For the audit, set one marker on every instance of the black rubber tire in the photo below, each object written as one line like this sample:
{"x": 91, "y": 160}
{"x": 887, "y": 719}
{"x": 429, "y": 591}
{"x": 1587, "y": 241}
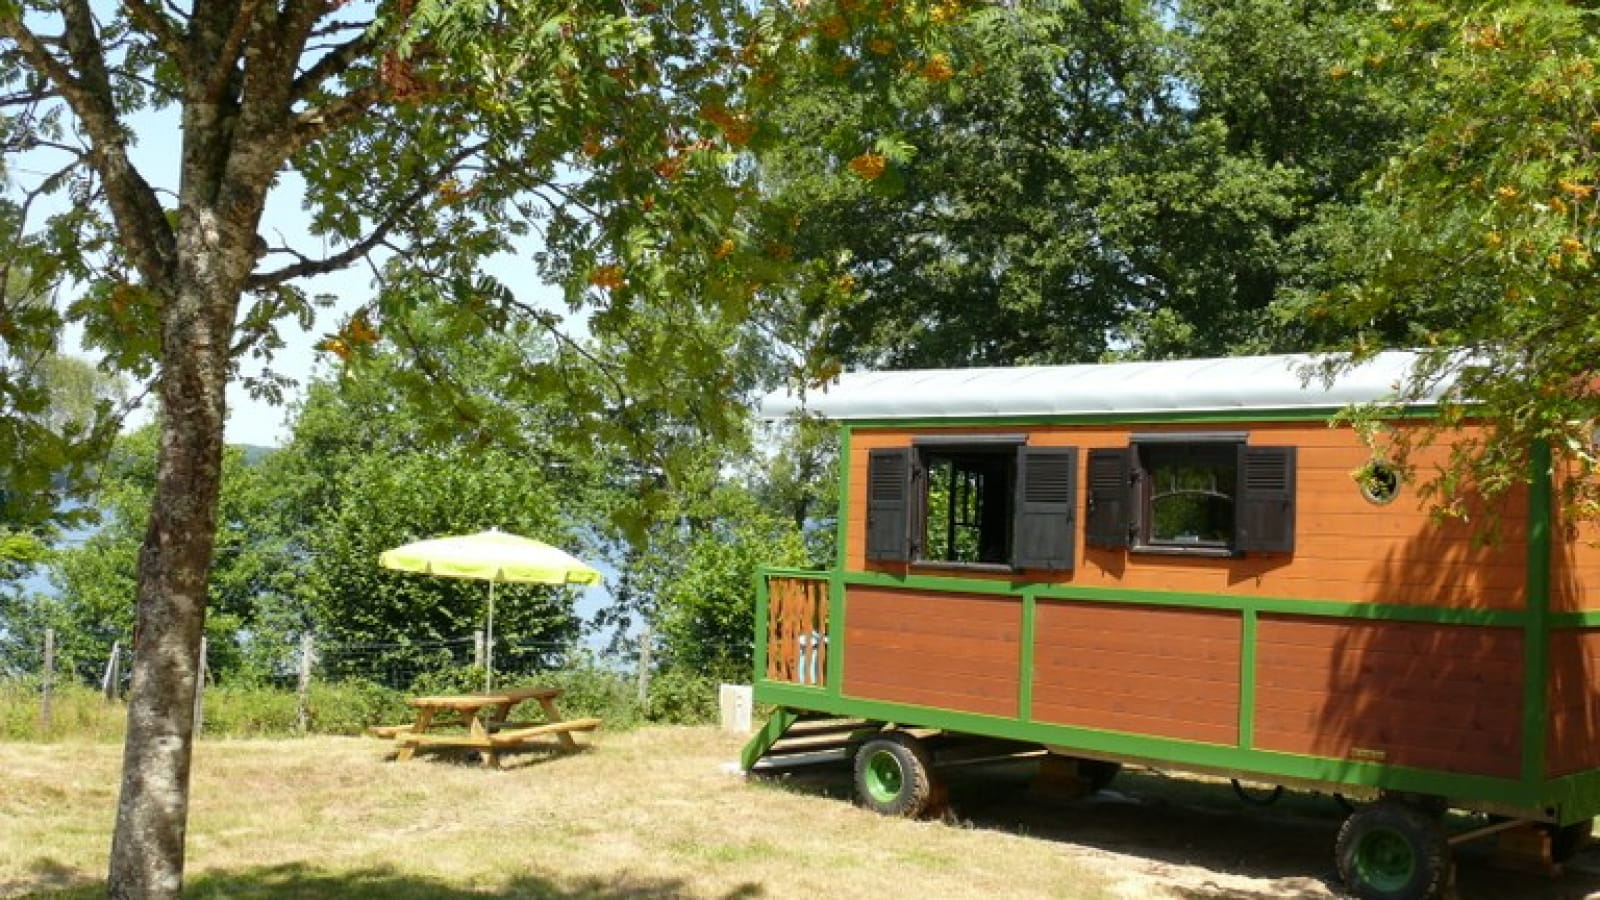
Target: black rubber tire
{"x": 1567, "y": 840}
{"x": 1258, "y": 798}
{"x": 1393, "y": 851}
{"x": 893, "y": 775}
{"x": 1097, "y": 774}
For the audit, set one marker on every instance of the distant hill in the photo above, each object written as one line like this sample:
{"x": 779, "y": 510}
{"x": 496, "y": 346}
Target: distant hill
{"x": 254, "y": 453}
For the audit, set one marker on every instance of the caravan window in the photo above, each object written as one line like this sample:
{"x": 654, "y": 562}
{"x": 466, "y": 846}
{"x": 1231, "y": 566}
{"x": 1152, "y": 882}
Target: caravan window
{"x": 1188, "y": 494}
{"x": 1204, "y": 494}
{"x": 972, "y": 502}
{"x": 967, "y": 516}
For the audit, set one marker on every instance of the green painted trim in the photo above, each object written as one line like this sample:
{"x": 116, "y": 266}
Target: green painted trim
{"x": 833, "y": 677}
{"x": 841, "y": 538}
{"x": 1307, "y": 414}
{"x": 762, "y": 611}
{"x": 1247, "y": 680}
{"x": 813, "y": 574}
{"x": 769, "y": 734}
{"x": 934, "y": 583}
{"x": 1575, "y": 620}
{"x": 1573, "y": 798}
{"x": 1260, "y": 764}
{"x": 1025, "y": 664}
{"x": 1536, "y": 633}
{"x": 1233, "y": 602}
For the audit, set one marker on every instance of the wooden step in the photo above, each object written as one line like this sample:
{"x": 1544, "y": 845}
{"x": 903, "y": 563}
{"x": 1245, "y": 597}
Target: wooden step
{"x": 813, "y": 727}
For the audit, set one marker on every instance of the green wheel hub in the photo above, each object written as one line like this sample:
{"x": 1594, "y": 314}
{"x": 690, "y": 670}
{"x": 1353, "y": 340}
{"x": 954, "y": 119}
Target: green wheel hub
{"x": 1385, "y": 859}
{"x": 884, "y": 777}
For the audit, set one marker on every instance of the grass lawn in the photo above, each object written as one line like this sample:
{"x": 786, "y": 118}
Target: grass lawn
{"x": 652, "y": 814}
{"x": 644, "y": 814}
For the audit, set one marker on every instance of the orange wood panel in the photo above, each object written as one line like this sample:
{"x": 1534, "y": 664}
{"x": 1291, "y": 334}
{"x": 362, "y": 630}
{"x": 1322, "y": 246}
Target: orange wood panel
{"x": 1163, "y": 672}
{"x": 1575, "y": 566}
{"x": 1574, "y": 697}
{"x": 952, "y": 651}
{"x": 1128, "y": 721}
{"x": 1346, "y": 549}
{"x": 1445, "y": 697}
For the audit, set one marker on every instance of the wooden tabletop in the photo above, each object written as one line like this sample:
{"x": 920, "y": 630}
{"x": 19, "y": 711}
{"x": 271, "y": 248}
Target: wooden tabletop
{"x": 478, "y": 701}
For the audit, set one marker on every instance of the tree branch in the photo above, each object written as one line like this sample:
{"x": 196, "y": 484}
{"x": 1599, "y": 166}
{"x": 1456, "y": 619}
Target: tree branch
{"x": 160, "y": 27}
{"x": 320, "y": 121}
{"x": 331, "y": 65}
{"x": 216, "y": 85}
{"x": 140, "y": 221}
{"x": 307, "y": 267}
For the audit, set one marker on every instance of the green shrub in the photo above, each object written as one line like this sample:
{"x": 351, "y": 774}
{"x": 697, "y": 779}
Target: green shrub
{"x": 682, "y": 697}
{"x": 349, "y": 707}
{"x": 589, "y": 689}
{"x": 449, "y": 680}
{"x": 246, "y": 712}
{"x": 76, "y": 713}
{"x": 352, "y": 706}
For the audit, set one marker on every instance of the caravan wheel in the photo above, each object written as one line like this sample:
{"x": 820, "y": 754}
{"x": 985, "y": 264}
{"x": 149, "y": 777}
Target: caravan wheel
{"x": 1393, "y": 851}
{"x": 894, "y": 776}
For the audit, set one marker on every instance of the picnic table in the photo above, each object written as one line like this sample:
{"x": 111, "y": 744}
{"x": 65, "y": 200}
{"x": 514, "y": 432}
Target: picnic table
{"x": 480, "y": 722}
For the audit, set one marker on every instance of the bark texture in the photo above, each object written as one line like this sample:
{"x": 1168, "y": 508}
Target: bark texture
{"x": 241, "y": 59}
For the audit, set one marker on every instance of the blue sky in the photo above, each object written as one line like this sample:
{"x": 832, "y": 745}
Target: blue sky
{"x": 250, "y": 421}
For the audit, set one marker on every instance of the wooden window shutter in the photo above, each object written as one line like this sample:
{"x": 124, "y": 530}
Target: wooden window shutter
{"x": 1110, "y": 512}
{"x": 889, "y": 504}
{"x": 1264, "y": 517}
{"x": 1046, "y": 514}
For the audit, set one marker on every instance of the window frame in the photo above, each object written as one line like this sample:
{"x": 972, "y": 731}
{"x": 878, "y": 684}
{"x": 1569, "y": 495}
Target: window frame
{"x": 1040, "y": 497}
{"x": 1209, "y": 452}
{"x": 1120, "y": 493}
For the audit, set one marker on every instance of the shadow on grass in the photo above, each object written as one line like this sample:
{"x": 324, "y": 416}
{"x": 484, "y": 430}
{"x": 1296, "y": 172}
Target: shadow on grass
{"x": 1163, "y": 821}
{"x": 307, "y": 883}
{"x": 511, "y": 758}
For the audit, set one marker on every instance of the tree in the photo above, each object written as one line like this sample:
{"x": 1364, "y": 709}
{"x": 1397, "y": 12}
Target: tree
{"x": 1478, "y": 238}
{"x": 799, "y": 481}
{"x": 57, "y": 412}
{"x": 1080, "y": 179}
{"x": 427, "y": 131}
{"x": 251, "y": 573}
{"x": 388, "y": 500}
{"x": 705, "y": 605}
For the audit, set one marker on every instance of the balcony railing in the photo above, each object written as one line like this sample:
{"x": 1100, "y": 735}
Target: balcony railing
{"x": 797, "y": 629}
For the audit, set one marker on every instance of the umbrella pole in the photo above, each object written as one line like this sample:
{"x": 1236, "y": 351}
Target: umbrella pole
{"x": 488, "y": 649}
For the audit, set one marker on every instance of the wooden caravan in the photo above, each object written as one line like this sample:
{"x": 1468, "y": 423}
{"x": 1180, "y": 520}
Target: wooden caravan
{"x": 1182, "y": 563}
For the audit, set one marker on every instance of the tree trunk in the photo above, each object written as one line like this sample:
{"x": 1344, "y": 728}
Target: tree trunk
{"x": 147, "y": 849}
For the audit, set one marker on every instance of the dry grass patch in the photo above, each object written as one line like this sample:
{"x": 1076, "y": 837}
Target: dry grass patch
{"x": 645, "y": 814}
{"x": 652, "y": 814}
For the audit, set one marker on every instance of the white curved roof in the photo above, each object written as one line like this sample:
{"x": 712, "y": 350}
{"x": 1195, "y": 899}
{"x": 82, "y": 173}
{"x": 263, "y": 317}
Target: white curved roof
{"x": 1241, "y": 383}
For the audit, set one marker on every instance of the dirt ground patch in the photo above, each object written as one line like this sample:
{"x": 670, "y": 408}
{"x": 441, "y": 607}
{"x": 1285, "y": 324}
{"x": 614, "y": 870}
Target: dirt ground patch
{"x": 1159, "y": 835}
{"x": 654, "y": 814}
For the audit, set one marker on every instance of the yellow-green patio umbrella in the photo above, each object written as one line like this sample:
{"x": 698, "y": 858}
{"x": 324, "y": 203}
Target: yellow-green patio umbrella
{"x": 495, "y": 557}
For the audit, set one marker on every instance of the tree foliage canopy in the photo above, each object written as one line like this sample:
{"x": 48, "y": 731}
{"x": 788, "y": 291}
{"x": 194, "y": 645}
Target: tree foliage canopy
{"x": 1477, "y": 243}
{"x": 1078, "y": 179}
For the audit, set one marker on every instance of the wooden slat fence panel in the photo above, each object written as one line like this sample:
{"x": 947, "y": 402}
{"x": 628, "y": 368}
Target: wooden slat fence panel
{"x": 797, "y": 630}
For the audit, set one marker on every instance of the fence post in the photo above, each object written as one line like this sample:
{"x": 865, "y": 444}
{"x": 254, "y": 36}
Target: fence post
{"x": 113, "y": 677}
{"x": 477, "y": 649}
{"x": 47, "y": 683}
{"x": 644, "y": 668}
{"x": 200, "y": 690}
{"x": 307, "y": 656}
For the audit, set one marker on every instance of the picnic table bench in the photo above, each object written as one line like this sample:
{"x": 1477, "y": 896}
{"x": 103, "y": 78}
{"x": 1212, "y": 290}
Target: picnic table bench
{"x": 480, "y": 722}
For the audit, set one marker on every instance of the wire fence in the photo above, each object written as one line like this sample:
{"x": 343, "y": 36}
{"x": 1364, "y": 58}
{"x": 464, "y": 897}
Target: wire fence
{"x": 299, "y": 668}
